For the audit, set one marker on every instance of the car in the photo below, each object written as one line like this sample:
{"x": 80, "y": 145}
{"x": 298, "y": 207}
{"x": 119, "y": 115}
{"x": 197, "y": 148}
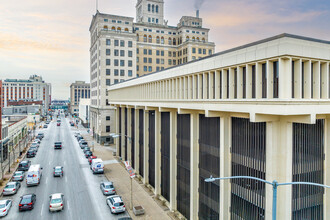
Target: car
{"x": 83, "y": 144}
{"x": 5, "y": 206}
{"x": 79, "y": 137}
{"x": 34, "y": 148}
{"x": 27, "y": 202}
{"x": 76, "y": 134}
{"x": 42, "y": 135}
{"x": 45, "y": 126}
{"x": 86, "y": 149}
{"x": 90, "y": 159}
{"x": 58, "y": 145}
{"x": 107, "y": 188}
{"x": 31, "y": 152}
{"x": 47, "y": 122}
{"x": 11, "y": 188}
{"x": 125, "y": 218}
{"x": 58, "y": 123}
{"x": 58, "y": 171}
{"x": 37, "y": 140}
{"x": 18, "y": 176}
{"x": 35, "y": 144}
{"x": 115, "y": 204}
{"x": 24, "y": 165}
{"x": 56, "y": 202}
{"x": 88, "y": 153}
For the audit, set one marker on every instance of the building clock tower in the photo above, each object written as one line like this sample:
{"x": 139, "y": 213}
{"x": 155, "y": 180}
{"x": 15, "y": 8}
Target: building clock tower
{"x": 150, "y": 11}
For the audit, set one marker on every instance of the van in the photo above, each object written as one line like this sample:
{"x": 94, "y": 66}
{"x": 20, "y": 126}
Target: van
{"x": 33, "y": 175}
{"x": 97, "y": 166}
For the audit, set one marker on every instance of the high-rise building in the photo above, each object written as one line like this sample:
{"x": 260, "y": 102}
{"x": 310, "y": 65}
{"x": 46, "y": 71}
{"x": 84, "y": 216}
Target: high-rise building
{"x": 78, "y": 90}
{"x": 32, "y": 89}
{"x": 121, "y": 50}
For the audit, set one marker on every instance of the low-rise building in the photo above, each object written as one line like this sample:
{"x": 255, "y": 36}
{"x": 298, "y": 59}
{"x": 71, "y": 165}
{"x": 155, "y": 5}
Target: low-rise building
{"x": 84, "y": 105}
{"x": 78, "y": 90}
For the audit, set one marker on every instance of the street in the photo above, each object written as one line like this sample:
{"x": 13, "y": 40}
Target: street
{"x": 82, "y": 196}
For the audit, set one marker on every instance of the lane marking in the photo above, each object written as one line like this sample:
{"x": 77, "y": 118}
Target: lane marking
{"x": 42, "y": 208}
{"x": 66, "y": 180}
{"x": 46, "y": 180}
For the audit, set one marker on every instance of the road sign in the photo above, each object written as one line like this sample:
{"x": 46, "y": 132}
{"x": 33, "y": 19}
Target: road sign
{"x": 129, "y": 169}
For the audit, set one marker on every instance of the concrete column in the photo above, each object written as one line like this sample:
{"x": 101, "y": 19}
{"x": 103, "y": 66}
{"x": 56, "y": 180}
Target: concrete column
{"x": 231, "y": 83}
{"x": 122, "y": 136}
{"x": 211, "y": 85}
{"x": 285, "y": 78}
{"x": 137, "y": 139}
{"x": 204, "y": 85}
{"x": 225, "y": 167}
{"x": 157, "y": 152}
{"x": 298, "y": 79}
{"x": 189, "y": 95}
{"x": 258, "y": 80}
{"x": 117, "y": 131}
{"x": 194, "y": 161}
{"x": 248, "y": 81}
{"x": 316, "y": 80}
{"x": 307, "y": 79}
{"x": 146, "y": 147}
{"x": 327, "y": 168}
{"x": 325, "y": 80}
{"x": 279, "y": 167}
{"x": 239, "y": 82}
{"x": 129, "y": 134}
{"x": 217, "y": 84}
{"x": 173, "y": 160}
{"x": 225, "y": 85}
{"x": 200, "y": 86}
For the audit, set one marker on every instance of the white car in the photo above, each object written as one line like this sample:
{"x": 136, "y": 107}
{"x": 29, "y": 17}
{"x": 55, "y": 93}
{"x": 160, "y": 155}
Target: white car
{"x": 5, "y": 205}
{"x": 56, "y": 202}
{"x": 116, "y": 204}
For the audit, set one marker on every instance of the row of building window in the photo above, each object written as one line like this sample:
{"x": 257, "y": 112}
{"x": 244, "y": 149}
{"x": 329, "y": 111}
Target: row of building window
{"x": 119, "y": 62}
{"x": 153, "y": 8}
{"x": 119, "y": 53}
{"x": 116, "y": 72}
{"x": 117, "y": 43}
{"x": 113, "y": 28}
{"x": 171, "y": 41}
{"x": 116, "y": 21}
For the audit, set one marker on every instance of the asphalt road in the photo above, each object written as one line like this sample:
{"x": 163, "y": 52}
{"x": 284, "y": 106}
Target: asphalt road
{"x": 82, "y": 196}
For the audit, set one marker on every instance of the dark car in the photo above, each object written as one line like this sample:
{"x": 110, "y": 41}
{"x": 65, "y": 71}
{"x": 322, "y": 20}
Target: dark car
{"x": 24, "y": 165}
{"x": 83, "y": 144}
{"x": 31, "y": 153}
{"x": 86, "y": 149}
{"x": 42, "y": 135}
{"x": 45, "y": 126}
{"x": 88, "y": 154}
{"x": 79, "y": 137}
{"x": 58, "y": 145}
{"x": 58, "y": 123}
{"x": 27, "y": 202}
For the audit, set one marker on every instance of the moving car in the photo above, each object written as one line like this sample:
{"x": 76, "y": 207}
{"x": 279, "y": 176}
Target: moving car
{"x": 5, "y": 206}
{"x": 116, "y": 204}
{"x": 58, "y": 171}
{"x": 27, "y": 202}
{"x": 88, "y": 153}
{"x": 56, "y": 202}
{"x": 24, "y": 165}
{"x": 90, "y": 159}
{"x": 58, "y": 123}
{"x": 97, "y": 166}
{"x": 31, "y": 152}
{"x": 107, "y": 188}
{"x": 33, "y": 175}
{"x": 58, "y": 145}
{"x": 11, "y": 188}
{"x": 18, "y": 176}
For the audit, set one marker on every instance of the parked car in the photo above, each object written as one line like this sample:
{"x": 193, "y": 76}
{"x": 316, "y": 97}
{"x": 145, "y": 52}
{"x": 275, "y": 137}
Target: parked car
{"x": 18, "y": 176}
{"x": 42, "y": 135}
{"x": 58, "y": 171}
{"x": 5, "y": 206}
{"x": 86, "y": 149}
{"x": 31, "y": 152}
{"x": 76, "y": 134}
{"x": 37, "y": 140}
{"x": 116, "y": 204}
{"x": 27, "y": 202}
{"x": 107, "y": 188}
{"x": 47, "y": 122}
{"x": 88, "y": 153}
{"x": 58, "y": 145}
{"x": 11, "y": 188}
{"x": 56, "y": 202}
{"x": 45, "y": 126}
{"x": 97, "y": 166}
{"x": 91, "y": 158}
{"x": 83, "y": 144}
{"x": 24, "y": 165}
{"x": 79, "y": 137}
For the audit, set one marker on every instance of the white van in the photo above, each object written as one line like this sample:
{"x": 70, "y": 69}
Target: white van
{"x": 33, "y": 175}
{"x": 97, "y": 166}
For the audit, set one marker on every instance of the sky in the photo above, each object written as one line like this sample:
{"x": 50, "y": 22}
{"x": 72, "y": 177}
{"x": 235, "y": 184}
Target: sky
{"x": 51, "y": 38}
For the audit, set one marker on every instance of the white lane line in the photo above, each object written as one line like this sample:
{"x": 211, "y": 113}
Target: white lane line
{"x": 46, "y": 180}
{"x": 66, "y": 179}
{"x": 49, "y": 163}
{"x": 42, "y": 208}
{"x": 68, "y": 204}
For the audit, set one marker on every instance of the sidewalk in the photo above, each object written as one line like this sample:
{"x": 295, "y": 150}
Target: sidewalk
{"x": 116, "y": 172}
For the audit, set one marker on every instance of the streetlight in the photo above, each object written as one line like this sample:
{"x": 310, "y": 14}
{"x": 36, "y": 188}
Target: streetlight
{"x": 275, "y": 184}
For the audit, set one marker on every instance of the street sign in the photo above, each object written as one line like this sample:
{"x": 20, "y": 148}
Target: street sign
{"x": 129, "y": 169}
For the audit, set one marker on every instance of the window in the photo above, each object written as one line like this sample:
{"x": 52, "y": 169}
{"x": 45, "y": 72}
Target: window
{"x": 108, "y": 62}
{"x": 145, "y": 60}
{"x": 162, "y": 53}
{"x": 130, "y": 73}
{"x": 193, "y": 58}
{"x": 169, "y": 62}
{"x": 157, "y": 68}
{"x": 107, "y": 72}
{"x": 156, "y": 8}
{"x": 174, "y": 54}
{"x": 116, "y": 81}
{"x": 150, "y": 60}
{"x": 137, "y": 68}
{"x": 150, "y": 52}
{"x": 158, "y": 40}
{"x": 145, "y": 38}
{"x": 122, "y": 72}
{"x": 162, "y": 40}
{"x": 116, "y": 53}
{"x": 149, "y": 7}
{"x": 145, "y": 68}
{"x": 107, "y": 82}
{"x": 204, "y": 51}
{"x": 122, "y": 53}
{"x": 199, "y": 51}
{"x": 126, "y": 29}
{"x": 107, "y": 129}
{"x": 157, "y": 52}
{"x": 174, "y": 62}
{"x": 169, "y": 41}
{"x": 107, "y": 52}
{"x": 157, "y": 21}
{"x": 126, "y": 22}
{"x": 145, "y": 51}
{"x": 210, "y": 52}
{"x": 119, "y": 22}
{"x": 122, "y": 43}
{"x": 130, "y": 53}
{"x": 153, "y": 20}
{"x": 107, "y": 118}
{"x": 116, "y": 72}
{"x": 130, "y": 44}
{"x": 169, "y": 53}
{"x": 153, "y": 8}
{"x": 108, "y": 42}
{"x": 150, "y": 69}
{"x": 157, "y": 61}
{"x": 150, "y": 39}
{"x": 122, "y": 62}
{"x": 137, "y": 38}
{"x": 116, "y": 43}
{"x": 162, "y": 61}
{"x": 130, "y": 63}
{"x": 116, "y": 63}
{"x": 105, "y": 20}
{"x": 137, "y": 51}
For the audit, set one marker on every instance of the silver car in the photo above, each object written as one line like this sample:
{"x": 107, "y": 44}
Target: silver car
{"x": 5, "y": 205}
{"x": 116, "y": 204}
{"x": 107, "y": 188}
{"x": 11, "y": 188}
{"x": 18, "y": 176}
{"x": 56, "y": 202}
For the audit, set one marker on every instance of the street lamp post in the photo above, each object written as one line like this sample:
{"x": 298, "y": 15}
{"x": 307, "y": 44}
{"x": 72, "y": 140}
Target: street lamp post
{"x": 274, "y": 184}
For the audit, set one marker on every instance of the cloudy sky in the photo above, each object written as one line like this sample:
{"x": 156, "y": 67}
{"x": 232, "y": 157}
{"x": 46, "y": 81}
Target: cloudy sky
{"x": 51, "y": 38}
